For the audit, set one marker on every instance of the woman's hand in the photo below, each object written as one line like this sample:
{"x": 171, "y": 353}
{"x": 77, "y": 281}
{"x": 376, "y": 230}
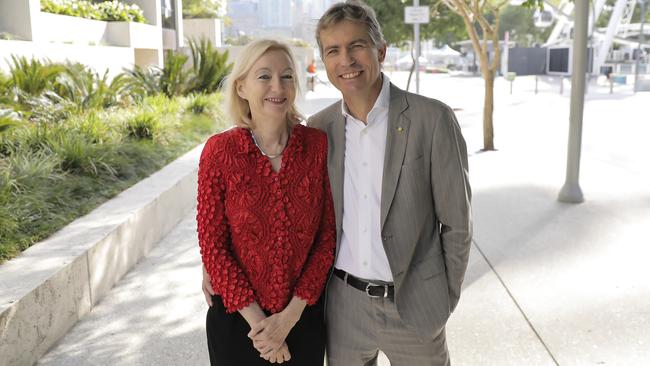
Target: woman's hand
{"x": 280, "y": 356}
{"x": 269, "y": 334}
{"x": 207, "y": 287}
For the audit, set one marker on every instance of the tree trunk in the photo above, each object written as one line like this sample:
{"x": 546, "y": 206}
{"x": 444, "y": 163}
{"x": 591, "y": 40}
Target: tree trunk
{"x": 488, "y": 111}
{"x": 408, "y": 83}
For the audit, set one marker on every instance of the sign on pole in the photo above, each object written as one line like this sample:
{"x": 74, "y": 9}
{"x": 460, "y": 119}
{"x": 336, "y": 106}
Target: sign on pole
{"x": 416, "y": 14}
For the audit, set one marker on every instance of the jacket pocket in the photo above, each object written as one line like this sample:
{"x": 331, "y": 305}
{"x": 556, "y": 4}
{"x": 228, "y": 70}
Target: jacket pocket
{"x": 430, "y": 266}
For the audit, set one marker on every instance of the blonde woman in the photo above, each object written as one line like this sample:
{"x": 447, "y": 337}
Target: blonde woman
{"x": 265, "y": 220}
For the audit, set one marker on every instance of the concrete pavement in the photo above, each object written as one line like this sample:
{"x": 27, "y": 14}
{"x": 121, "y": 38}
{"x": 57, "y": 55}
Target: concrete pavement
{"x": 548, "y": 283}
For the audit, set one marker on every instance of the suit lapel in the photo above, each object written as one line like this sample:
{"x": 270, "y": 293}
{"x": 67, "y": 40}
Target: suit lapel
{"x": 396, "y": 138}
{"x": 336, "y": 166}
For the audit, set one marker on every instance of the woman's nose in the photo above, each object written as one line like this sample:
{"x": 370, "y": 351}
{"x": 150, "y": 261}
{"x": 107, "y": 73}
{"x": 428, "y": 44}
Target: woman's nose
{"x": 276, "y": 84}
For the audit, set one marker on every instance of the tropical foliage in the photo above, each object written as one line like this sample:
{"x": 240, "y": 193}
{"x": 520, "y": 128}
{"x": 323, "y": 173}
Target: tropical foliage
{"x": 205, "y": 74}
{"x": 71, "y": 138}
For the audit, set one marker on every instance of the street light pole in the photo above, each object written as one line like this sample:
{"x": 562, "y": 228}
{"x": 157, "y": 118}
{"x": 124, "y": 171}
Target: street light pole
{"x": 639, "y": 47}
{"x": 571, "y": 191}
{"x": 416, "y": 36}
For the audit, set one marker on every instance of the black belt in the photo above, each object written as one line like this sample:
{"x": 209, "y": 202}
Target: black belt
{"x": 371, "y": 289}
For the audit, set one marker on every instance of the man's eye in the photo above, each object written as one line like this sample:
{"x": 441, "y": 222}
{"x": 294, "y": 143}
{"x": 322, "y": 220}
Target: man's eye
{"x": 332, "y": 52}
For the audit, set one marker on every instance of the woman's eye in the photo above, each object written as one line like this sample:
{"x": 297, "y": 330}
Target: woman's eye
{"x": 287, "y": 77}
{"x": 264, "y": 77}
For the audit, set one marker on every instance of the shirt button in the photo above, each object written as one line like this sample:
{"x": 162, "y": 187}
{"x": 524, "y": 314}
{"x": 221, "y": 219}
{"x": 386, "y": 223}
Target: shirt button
{"x": 364, "y": 164}
{"x": 365, "y": 196}
{"x": 365, "y": 263}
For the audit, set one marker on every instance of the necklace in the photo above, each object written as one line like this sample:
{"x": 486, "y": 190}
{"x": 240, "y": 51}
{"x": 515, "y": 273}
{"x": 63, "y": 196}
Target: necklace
{"x": 264, "y": 153}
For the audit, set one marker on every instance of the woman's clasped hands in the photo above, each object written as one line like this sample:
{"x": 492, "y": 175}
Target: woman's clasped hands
{"x": 269, "y": 334}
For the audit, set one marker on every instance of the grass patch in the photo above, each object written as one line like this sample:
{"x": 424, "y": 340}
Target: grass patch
{"x": 51, "y": 174}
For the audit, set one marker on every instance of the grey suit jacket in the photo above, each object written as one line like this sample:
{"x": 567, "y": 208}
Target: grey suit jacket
{"x": 425, "y": 217}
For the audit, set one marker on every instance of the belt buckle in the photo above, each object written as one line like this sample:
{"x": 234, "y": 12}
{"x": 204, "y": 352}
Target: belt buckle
{"x": 377, "y": 296}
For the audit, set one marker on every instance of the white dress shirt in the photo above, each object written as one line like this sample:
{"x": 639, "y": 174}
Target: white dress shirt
{"x": 361, "y": 252}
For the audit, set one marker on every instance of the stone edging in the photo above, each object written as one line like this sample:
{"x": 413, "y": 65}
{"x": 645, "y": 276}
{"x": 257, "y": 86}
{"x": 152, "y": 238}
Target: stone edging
{"x": 50, "y": 286}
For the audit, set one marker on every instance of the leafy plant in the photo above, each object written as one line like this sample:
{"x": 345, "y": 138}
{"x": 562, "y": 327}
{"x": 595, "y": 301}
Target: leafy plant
{"x": 193, "y": 9}
{"x": 87, "y": 90}
{"x": 47, "y": 107}
{"x": 75, "y": 8}
{"x": 198, "y": 104}
{"x": 143, "y": 81}
{"x": 173, "y": 77}
{"x": 143, "y": 126}
{"x": 33, "y": 76}
{"x": 106, "y": 11}
{"x": 209, "y": 67}
{"x": 8, "y": 119}
{"x": 118, "y": 11}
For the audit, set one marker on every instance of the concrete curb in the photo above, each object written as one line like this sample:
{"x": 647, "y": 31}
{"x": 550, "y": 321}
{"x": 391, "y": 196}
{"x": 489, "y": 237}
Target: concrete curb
{"x": 50, "y": 286}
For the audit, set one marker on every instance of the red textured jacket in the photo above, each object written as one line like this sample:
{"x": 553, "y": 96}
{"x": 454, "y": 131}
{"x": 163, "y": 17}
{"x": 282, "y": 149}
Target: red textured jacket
{"x": 265, "y": 236}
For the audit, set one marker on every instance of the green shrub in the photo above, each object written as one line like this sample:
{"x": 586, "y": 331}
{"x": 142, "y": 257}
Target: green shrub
{"x": 193, "y": 9}
{"x": 173, "y": 78}
{"x": 8, "y": 119}
{"x": 209, "y": 67}
{"x": 118, "y": 11}
{"x": 33, "y": 76}
{"x": 87, "y": 90}
{"x": 143, "y": 81}
{"x": 107, "y": 10}
{"x": 144, "y": 125}
{"x": 46, "y": 108}
{"x": 198, "y": 104}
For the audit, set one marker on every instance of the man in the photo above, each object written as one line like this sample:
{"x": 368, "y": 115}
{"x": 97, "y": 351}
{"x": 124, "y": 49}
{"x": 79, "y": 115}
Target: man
{"x": 398, "y": 171}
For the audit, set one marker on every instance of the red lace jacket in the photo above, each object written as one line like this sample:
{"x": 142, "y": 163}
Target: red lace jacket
{"x": 265, "y": 236}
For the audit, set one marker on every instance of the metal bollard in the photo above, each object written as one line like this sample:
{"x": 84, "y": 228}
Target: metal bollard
{"x": 535, "y": 84}
{"x": 561, "y": 84}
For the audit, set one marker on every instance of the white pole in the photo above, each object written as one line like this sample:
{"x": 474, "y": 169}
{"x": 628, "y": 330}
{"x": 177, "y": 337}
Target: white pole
{"x": 639, "y": 49}
{"x": 416, "y": 35}
{"x": 571, "y": 191}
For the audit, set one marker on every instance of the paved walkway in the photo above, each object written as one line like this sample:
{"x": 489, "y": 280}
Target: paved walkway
{"x": 548, "y": 283}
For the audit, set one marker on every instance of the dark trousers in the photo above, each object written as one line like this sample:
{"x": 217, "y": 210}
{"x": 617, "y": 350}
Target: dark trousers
{"x": 229, "y": 344}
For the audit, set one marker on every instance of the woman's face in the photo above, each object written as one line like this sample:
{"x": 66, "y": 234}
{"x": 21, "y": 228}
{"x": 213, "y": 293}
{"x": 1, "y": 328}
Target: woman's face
{"x": 269, "y": 86}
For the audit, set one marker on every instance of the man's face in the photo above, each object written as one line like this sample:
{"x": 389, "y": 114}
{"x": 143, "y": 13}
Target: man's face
{"x": 351, "y": 60}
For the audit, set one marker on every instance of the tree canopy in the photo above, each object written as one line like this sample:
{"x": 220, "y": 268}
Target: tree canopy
{"x": 445, "y": 27}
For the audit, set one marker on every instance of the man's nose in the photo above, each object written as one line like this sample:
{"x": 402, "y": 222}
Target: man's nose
{"x": 348, "y": 58}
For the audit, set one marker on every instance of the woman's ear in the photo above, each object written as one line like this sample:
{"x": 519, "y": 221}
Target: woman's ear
{"x": 241, "y": 91}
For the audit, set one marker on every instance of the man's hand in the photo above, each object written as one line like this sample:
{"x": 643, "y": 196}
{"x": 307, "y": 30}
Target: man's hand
{"x": 207, "y": 287}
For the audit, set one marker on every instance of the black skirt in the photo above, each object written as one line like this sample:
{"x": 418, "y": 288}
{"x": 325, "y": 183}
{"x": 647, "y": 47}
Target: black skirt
{"x": 229, "y": 345}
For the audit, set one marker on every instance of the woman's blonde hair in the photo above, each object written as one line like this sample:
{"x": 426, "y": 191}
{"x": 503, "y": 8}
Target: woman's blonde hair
{"x": 238, "y": 109}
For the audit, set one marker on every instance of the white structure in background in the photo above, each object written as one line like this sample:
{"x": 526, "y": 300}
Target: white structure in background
{"x": 618, "y": 31}
{"x": 99, "y": 44}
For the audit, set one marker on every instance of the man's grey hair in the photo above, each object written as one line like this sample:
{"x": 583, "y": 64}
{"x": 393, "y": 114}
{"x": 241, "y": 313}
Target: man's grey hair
{"x": 354, "y": 11}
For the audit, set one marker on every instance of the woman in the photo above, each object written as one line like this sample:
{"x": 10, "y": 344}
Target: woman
{"x": 265, "y": 219}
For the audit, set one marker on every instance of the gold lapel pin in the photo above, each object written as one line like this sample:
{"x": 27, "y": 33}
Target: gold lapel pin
{"x": 400, "y": 129}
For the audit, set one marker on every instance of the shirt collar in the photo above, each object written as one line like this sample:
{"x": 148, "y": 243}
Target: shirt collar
{"x": 383, "y": 100}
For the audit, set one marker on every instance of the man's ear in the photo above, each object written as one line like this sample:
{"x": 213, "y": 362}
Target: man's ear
{"x": 241, "y": 91}
{"x": 381, "y": 53}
